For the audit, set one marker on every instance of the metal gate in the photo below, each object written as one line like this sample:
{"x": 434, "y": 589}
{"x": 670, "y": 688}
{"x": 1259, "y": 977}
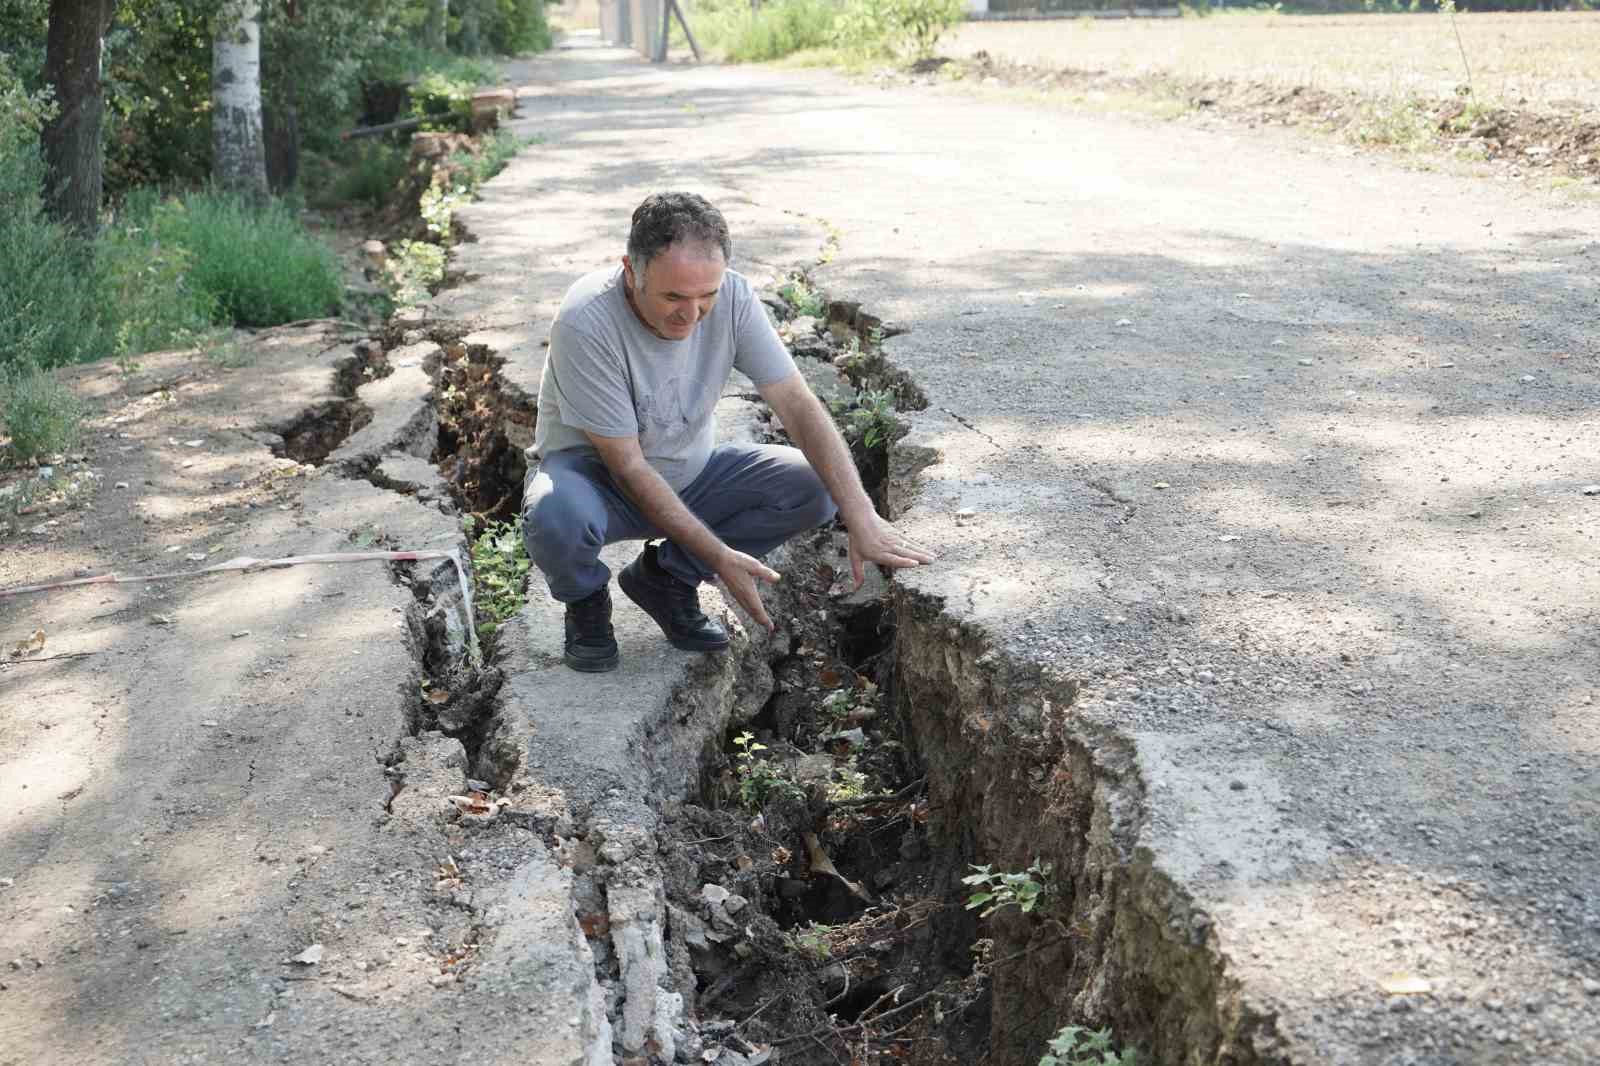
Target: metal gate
{"x": 633, "y": 24}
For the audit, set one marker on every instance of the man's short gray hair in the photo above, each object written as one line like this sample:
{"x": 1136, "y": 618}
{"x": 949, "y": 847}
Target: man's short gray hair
{"x": 667, "y": 218}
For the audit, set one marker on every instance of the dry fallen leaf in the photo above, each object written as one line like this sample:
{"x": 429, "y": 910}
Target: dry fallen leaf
{"x": 438, "y": 695}
{"x": 1406, "y": 984}
{"x": 32, "y": 646}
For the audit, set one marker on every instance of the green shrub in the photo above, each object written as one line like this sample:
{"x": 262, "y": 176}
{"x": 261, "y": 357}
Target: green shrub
{"x": 778, "y": 29}
{"x": 49, "y": 314}
{"x": 39, "y": 414}
{"x": 442, "y": 102}
{"x": 144, "y": 281}
{"x": 893, "y": 27}
{"x": 371, "y": 176}
{"x": 255, "y": 260}
{"x": 517, "y": 27}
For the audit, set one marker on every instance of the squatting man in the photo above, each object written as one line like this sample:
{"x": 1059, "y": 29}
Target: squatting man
{"x": 639, "y": 355}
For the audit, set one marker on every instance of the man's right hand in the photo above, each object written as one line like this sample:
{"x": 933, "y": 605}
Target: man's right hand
{"x": 742, "y": 575}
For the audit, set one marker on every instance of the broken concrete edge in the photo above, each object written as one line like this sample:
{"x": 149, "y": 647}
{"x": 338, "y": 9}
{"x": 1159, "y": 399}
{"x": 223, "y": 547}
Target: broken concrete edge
{"x": 1003, "y": 748}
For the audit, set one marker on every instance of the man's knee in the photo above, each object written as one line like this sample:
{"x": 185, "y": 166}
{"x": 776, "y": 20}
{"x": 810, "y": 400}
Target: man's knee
{"x": 807, "y": 499}
{"x": 557, "y": 527}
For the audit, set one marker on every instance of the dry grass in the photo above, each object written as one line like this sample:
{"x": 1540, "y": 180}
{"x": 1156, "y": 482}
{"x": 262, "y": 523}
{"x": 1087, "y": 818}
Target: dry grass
{"x": 1545, "y": 59}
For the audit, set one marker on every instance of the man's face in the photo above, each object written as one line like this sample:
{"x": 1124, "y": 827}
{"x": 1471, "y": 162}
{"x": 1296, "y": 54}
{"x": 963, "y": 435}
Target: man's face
{"x": 676, "y": 289}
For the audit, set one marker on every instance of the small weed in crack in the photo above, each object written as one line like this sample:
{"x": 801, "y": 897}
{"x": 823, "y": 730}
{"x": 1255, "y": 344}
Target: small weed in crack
{"x": 499, "y": 573}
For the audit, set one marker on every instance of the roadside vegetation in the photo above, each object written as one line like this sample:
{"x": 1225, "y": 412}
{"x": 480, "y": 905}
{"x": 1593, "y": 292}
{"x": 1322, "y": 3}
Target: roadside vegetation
{"x": 154, "y": 241}
{"x": 841, "y": 32}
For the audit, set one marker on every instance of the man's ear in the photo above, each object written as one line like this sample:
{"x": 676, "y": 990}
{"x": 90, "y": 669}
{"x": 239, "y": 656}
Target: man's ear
{"x": 627, "y": 274}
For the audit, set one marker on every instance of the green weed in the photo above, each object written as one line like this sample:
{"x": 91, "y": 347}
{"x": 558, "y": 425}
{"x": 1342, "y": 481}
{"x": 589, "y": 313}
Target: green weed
{"x": 843, "y": 703}
{"x": 847, "y": 782}
{"x": 1074, "y": 1045}
{"x": 760, "y": 779}
{"x": 38, "y": 413}
{"x": 415, "y": 269}
{"x": 1408, "y": 124}
{"x": 870, "y": 422}
{"x": 499, "y": 574}
{"x": 798, "y": 293}
{"x": 812, "y": 941}
{"x": 994, "y": 890}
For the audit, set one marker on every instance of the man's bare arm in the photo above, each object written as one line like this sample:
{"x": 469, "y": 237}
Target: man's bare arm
{"x": 872, "y": 539}
{"x": 663, "y": 509}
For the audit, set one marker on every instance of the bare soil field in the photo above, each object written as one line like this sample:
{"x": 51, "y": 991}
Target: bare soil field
{"x": 1539, "y": 59}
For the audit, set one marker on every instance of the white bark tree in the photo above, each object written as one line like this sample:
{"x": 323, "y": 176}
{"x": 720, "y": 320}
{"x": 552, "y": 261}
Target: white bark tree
{"x": 436, "y": 25}
{"x": 239, "y": 157}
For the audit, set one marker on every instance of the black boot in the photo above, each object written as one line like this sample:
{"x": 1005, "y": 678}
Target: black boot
{"x": 674, "y": 604}
{"x": 591, "y": 645}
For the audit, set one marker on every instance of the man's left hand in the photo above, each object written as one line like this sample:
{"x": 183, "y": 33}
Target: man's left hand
{"x": 880, "y": 542}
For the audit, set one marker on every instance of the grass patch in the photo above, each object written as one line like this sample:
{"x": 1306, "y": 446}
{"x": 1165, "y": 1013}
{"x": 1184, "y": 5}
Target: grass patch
{"x": 1407, "y": 125}
{"x": 256, "y": 262}
{"x": 39, "y": 414}
{"x": 147, "y": 281}
{"x": 780, "y": 28}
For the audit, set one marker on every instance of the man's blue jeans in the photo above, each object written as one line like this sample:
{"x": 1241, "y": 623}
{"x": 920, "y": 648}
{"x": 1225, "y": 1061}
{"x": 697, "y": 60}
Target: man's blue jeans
{"x": 753, "y": 496}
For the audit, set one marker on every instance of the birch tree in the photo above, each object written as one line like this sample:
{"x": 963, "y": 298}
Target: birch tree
{"x": 238, "y": 147}
{"x": 436, "y": 25}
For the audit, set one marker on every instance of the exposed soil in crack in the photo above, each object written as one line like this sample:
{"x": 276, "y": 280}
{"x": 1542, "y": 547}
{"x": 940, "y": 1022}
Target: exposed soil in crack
{"x": 317, "y": 431}
{"x": 803, "y": 891}
{"x": 482, "y": 435}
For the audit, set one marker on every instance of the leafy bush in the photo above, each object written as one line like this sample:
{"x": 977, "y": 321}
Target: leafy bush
{"x": 146, "y": 280}
{"x": 49, "y": 314}
{"x": 39, "y": 414}
{"x": 255, "y": 260}
{"x": 442, "y": 102}
{"x": 517, "y": 27}
{"x": 891, "y": 27}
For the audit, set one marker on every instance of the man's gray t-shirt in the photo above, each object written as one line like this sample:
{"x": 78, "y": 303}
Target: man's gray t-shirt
{"x": 608, "y": 375}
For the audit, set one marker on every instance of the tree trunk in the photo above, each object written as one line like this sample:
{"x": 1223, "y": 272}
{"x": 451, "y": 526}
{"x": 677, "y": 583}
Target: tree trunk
{"x": 470, "y": 41}
{"x": 437, "y": 24}
{"x": 282, "y": 127}
{"x": 238, "y": 148}
{"x": 71, "y": 140}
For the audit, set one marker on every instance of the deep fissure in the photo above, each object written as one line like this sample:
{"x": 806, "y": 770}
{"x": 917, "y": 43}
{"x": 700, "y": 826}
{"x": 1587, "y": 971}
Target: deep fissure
{"x": 826, "y": 917}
